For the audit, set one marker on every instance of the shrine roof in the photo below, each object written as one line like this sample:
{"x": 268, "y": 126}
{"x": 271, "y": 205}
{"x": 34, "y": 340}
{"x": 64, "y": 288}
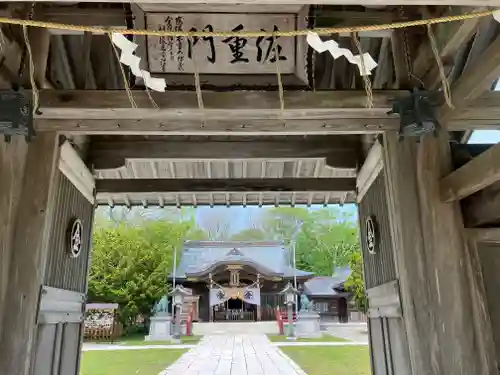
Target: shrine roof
{"x": 270, "y": 257}
{"x": 327, "y": 286}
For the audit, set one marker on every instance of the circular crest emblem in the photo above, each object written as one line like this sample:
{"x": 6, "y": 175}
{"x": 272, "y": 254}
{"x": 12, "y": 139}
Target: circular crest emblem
{"x": 371, "y": 235}
{"x": 221, "y": 295}
{"x": 75, "y": 229}
{"x": 248, "y": 294}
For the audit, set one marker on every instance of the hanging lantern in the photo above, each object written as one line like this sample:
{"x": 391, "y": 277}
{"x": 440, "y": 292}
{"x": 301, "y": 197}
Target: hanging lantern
{"x": 16, "y": 116}
{"x": 416, "y": 113}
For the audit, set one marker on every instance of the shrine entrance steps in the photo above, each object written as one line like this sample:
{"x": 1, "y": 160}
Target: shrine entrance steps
{"x": 232, "y": 328}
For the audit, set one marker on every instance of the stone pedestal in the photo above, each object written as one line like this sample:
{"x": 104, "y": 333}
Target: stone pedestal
{"x": 159, "y": 329}
{"x": 307, "y": 325}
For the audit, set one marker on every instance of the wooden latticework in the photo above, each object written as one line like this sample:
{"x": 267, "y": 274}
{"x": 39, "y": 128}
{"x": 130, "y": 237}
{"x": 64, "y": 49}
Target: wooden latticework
{"x": 100, "y": 322}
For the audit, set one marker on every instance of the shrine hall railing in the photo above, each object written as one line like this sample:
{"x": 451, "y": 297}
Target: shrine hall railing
{"x": 235, "y": 315}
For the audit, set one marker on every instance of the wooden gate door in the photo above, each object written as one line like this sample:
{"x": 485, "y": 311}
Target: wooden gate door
{"x": 62, "y": 298}
{"x": 388, "y": 342}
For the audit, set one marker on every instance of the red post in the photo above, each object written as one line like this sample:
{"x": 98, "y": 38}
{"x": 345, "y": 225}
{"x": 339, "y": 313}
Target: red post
{"x": 189, "y": 322}
{"x": 279, "y": 320}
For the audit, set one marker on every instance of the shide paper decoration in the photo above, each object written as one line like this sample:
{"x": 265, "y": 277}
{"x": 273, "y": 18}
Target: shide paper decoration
{"x": 496, "y": 15}
{"x": 128, "y": 58}
{"x": 333, "y": 47}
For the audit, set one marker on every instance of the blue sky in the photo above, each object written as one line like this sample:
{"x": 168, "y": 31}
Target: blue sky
{"x": 485, "y": 136}
{"x": 245, "y": 217}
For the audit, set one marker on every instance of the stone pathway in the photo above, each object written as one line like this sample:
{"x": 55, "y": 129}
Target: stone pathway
{"x": 89, "y": 347}
{"x": 234, "y": 355}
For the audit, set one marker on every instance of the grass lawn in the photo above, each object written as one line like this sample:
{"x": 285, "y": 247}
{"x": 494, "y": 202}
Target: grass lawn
{"x": 324, "y": 338}
{"x": 328, "y": 360}
{"x": 137, "y": 340}
{"x": 128, "y": 362}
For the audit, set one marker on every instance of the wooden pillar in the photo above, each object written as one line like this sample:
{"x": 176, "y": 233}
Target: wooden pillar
{"x": 12, "y": 162}
{"x": 32, "y": 228}
{"x": 432, "y": 260}
{"x": 342, "y": 310}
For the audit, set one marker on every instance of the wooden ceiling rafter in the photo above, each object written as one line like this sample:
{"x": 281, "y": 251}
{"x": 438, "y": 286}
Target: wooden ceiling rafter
{"x": 477, "y": 79}
{"x": 338, "y": 151}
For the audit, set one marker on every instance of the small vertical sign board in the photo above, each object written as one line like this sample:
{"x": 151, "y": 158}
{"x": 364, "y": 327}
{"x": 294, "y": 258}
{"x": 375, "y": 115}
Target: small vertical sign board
{"x": 237, "y": 55}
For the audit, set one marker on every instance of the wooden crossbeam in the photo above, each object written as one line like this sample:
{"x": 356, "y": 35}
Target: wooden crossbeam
{"x": 477, "y": 79}
{"x": 177, "y": 185}
{"x": 370, "y": 169}
{"x": 477, "y": 174}
{"x": 340, "y": 152}
{"x": 483, "y": 207}
{"x": 244, "y": 112}
{"x": 232, "y": 125}
{"x": 106, "y": 17}
{"x": 377, "y": 3}
{"x": 183, "y": 105}
{"x": 457, "y": 36}
{"x": 450, "y": 38}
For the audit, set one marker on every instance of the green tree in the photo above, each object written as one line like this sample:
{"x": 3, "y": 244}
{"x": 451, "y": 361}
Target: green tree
{"x": 324, "y": 238}
{"x": 355, "y": 283}
{"x": 250, "y": 234}
{"x": 130, "y": 263}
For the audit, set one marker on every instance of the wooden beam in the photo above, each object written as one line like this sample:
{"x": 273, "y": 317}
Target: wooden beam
{"x": 73, "y": 167}
{"x": 450, "y": 38}
{"x": 223, "y": 127}
{"x": 371, "y": 168}
{"x": 476, "y": 80}
{"x": 40, "y": 43}
{"x": 106, "y": 17}
{"x": 398, "y": 58}
{"x": 483, "y": 235}
{"x": 341, "y": 152}
{"x": 183, "y": 105}
{"x": 323, "y": 112}
{"x": 60, "y": 68}
{"x": 464, "y": 153}
{"x": 477, "y": 174}
{"x": 83, "y": 71}
{"x": 377, "y": 3}
{"x": 121, "y": 186}
{"x": 482, "y": 208}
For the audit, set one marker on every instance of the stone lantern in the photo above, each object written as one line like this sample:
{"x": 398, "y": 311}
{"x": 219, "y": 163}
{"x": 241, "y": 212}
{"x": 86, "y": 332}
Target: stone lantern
{"x": 178, "y": 295}
{"x": 290, "y": 292}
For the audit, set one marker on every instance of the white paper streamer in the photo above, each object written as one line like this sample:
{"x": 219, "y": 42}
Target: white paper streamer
{"x": 128, "y": 58}
{"x": 496, "y": 15}
{"x": 333, "y": 47}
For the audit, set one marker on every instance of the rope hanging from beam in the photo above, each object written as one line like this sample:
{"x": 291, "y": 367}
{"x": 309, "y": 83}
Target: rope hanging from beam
{"x": 325, "y": 31}
{"x": 366, "y": 79}
{"x": 442, "y": 75}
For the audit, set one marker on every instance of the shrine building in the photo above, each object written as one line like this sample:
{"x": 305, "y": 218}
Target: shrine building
{"x": 242, "y": 281}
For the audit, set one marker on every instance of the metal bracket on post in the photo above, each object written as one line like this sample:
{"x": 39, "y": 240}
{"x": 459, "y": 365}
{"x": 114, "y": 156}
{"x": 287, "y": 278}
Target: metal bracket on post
{"x": 16, "y": 116}
{"x": 416, "y": 113}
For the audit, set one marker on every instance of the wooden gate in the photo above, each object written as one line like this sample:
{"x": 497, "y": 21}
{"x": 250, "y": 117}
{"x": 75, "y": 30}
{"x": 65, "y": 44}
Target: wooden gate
{"x": 62, "y": 299}
{"x": 388, "y": 342}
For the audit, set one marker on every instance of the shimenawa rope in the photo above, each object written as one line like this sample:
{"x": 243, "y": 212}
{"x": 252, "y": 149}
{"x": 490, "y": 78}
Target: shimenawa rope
{"x": 319, "y": 31}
